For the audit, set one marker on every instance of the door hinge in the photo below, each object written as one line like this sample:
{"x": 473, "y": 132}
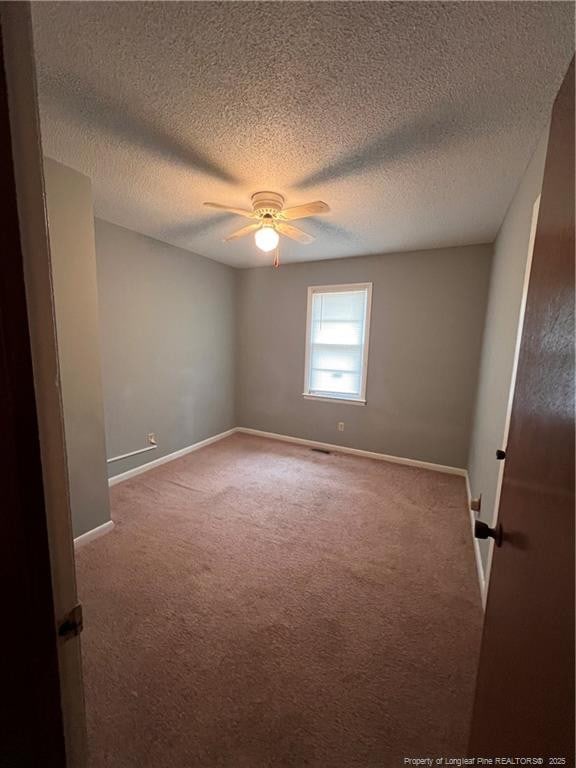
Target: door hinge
{"x": 72, "y": 623}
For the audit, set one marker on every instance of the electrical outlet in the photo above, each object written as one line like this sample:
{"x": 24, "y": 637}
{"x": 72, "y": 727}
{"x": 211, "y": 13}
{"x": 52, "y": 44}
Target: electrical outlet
{"x": 152, "y": 438}
{"x": 340, "y": 426}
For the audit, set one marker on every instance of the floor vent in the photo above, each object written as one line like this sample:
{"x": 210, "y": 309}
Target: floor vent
{"x": 321, "y": 450}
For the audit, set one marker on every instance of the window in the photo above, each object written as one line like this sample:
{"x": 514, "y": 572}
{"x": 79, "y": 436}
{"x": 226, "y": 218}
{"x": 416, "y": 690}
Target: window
{"x": 337, "y": 332}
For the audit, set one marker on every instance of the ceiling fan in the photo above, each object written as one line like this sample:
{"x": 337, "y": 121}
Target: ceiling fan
{"x": 271, "y": 219}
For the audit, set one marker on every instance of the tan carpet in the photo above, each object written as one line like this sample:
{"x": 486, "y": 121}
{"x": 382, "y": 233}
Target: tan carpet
{"x": 259, "y": 604}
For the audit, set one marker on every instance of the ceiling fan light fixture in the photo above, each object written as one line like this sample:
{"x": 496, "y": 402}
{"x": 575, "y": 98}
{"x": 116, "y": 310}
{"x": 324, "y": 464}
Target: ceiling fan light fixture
{"x": 266, "y": 239}
{"x": 270, "y": 220}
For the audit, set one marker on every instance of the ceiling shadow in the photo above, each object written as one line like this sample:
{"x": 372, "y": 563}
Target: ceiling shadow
{"x": 191, "y": 229}
{"x": 323, "y": 227}
{"x": 427, "y": 133}
{"x": 82, "y": 101}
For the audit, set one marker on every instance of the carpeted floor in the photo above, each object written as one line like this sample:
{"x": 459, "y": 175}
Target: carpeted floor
{"x": 262, "y": 605}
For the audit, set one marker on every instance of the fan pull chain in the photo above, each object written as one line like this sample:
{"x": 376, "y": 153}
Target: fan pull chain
{"x": 276, "y": 262}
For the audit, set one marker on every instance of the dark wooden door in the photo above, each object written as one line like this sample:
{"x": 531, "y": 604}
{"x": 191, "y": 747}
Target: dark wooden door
{"x": 525, "y": 691}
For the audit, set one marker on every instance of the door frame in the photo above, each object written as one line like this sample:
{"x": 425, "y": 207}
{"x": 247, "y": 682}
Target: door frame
{"x": 519, "y": 328}
{"x": 27, "y": 161}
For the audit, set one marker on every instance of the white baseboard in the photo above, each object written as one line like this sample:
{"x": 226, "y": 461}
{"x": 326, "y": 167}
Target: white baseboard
{"x": 102, "y": 529}
{"x": 477, "y": 555}
{"x": 169, "y": 457}
{"x": 288, "y": 439}
{"x": 356, "y": 452}
{"x": 95, "y": 533}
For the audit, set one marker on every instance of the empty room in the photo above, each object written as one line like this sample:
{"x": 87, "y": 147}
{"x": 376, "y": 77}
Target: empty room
{"x": 287, "y": 324}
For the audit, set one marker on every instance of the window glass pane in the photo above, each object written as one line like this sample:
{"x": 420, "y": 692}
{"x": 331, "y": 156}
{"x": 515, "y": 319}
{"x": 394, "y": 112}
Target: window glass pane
{"x": 331, "y": 332}
{"x": 337, "y": 383}
{"x": 334, "y": 358}
{"x": 336, "y": 343}
{"x": 342, "y": 307}
{"x": 338, "y": 318}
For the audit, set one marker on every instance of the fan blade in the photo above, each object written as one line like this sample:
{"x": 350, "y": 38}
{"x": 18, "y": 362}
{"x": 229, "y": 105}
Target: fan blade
{"x": 239, "y": 211}
{"x": 294, "y": 233}
{"x": 301, "y": 211}
{"x": 243, "y": 231}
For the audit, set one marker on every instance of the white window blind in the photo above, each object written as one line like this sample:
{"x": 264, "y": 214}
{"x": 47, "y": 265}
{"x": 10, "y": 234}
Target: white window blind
{"x": 337, "y": 343}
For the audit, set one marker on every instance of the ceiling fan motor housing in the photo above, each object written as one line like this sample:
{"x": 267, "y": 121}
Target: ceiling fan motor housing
{"x": 267, "y": 203}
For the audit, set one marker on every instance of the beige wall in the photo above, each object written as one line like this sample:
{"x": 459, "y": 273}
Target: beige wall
{"x": 426, "y": 332}
{"x": 501, "y": 331}
{"x": 71, "y": 233}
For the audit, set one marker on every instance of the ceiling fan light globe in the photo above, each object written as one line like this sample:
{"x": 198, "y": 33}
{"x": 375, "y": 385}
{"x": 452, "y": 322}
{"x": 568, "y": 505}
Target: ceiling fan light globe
{"x": 266, "y": 239}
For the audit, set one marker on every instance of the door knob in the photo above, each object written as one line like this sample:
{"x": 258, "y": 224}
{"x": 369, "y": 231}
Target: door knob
{"x": 483, "y": 531}
{"x": 500, "y": 454}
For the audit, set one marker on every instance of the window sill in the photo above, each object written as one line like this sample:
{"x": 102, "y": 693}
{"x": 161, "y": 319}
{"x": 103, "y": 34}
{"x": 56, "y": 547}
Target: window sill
{"x": 327, "y": 399}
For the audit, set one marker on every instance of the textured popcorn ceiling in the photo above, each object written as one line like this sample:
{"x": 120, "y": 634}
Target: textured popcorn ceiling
{"x": 413, "y": 121}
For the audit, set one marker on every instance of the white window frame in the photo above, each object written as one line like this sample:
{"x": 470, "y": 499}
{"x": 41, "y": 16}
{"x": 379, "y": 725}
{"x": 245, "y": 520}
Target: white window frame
{"x": 344, "y": 288}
